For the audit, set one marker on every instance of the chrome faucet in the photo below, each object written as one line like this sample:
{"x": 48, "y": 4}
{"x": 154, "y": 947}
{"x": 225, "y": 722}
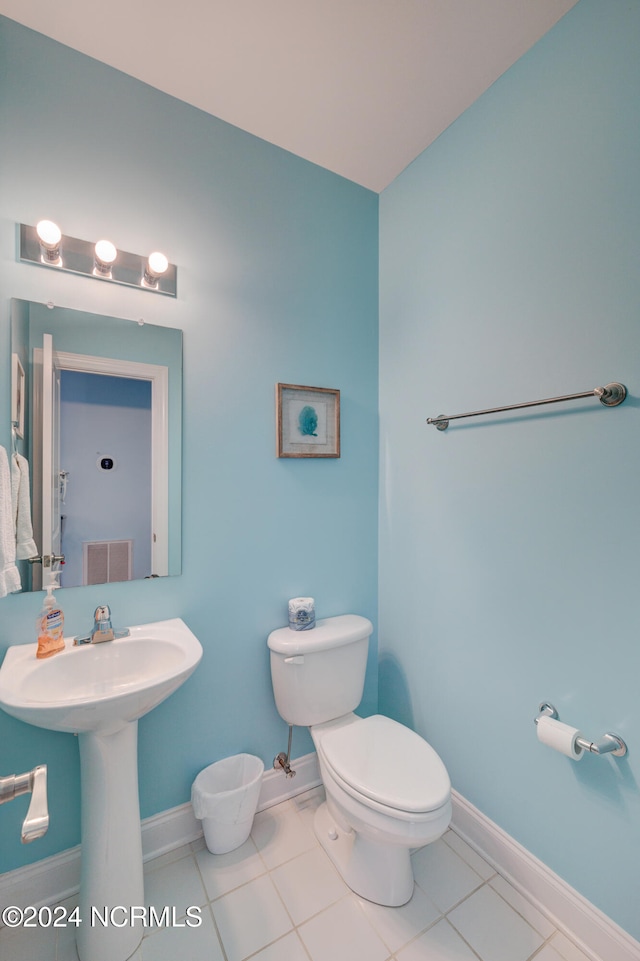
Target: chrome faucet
{"x": 102, "y": 629}
{"x": 37, "y": 819}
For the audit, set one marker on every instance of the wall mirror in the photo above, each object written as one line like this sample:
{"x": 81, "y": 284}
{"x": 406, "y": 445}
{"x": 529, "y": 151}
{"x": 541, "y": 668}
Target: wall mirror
{"x": 96, "y": 411}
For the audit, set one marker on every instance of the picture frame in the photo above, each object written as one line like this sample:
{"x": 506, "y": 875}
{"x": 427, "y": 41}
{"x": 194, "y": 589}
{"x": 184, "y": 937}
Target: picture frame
{"x": 307, "y": 421}
{"x": 17, "y": 395}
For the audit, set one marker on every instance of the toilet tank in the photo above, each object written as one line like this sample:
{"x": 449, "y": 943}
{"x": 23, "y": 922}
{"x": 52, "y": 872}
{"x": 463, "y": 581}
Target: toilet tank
{"x": 318, "y": 675}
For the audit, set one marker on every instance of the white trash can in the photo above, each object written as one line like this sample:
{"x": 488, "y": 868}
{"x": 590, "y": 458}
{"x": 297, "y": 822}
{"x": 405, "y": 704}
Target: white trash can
{"x": 225, "y": 797}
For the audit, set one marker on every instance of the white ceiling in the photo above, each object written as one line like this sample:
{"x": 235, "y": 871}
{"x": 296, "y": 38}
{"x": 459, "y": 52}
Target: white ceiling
{"x": 360, "y": 87}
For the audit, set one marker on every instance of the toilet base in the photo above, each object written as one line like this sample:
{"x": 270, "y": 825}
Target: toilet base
{"x": 377, "y": 871}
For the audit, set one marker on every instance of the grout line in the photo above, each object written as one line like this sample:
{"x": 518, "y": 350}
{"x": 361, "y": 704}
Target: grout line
{"x": 519, "y": 913}
{"x": 467, "y": 861}
{"x": 210, "y": 907}
{"x": 544, "y": 944}
{"x": 458, "y": 903}
{"x": 462, "y": 938}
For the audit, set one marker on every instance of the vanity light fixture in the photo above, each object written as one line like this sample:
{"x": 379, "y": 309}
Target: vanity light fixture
{"x": 105, "y": 256}
{"x": 49, "y": 237}
{"x": 46, "y": 246}
{"x": 157, "y": 265}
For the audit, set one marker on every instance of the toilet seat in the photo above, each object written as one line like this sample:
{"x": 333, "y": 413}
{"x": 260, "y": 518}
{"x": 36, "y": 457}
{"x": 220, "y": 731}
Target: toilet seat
{"x": 387, "y": 766}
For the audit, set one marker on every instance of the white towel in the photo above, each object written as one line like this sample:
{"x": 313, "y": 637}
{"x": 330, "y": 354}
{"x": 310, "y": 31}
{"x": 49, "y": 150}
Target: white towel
{"x": 9, "y": 575}
{"x": 21, "y": 507}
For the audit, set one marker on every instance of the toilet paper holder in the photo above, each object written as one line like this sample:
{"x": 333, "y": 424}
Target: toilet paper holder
{"x": 608, "y": 744}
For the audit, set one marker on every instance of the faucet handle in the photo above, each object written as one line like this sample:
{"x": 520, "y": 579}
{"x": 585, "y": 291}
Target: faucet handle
{"x": 37, "y": 819}
{"x": 102, "y": 613}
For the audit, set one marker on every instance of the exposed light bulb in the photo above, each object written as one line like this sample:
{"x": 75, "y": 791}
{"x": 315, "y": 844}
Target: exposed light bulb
{"x": 157, "y": 265}
{"x": 49, "y": 235}
{"x": 106, "y": 254}
{"x": 158, "y": 262}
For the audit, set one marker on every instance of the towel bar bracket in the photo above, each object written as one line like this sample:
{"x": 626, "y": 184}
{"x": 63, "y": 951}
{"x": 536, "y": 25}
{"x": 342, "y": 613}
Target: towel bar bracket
{"x": 611, "y": 395}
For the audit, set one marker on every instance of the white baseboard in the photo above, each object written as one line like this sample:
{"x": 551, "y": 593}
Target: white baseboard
{"x": 58, "y": 877}
{"x": 44, "y": 882}
{"x": 595, "y": 933}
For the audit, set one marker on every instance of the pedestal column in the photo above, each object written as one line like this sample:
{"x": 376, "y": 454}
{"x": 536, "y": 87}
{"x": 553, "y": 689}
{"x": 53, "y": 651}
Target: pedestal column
{"x": 111, "y": 879}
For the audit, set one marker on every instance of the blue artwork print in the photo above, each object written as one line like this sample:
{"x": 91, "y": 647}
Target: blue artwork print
{"x": 308, "y": 421}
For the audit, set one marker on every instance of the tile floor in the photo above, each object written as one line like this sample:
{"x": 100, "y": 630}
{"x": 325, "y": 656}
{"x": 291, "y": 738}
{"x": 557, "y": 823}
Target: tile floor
{"x": 279, "y": 898}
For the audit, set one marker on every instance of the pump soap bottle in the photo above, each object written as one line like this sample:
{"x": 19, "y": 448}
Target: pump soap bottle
{"x": 50, "y": 626}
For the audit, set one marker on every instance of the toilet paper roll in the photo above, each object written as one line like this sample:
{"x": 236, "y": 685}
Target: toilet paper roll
{"x": 302, "y": 613}
{"x": 560, "y": 737}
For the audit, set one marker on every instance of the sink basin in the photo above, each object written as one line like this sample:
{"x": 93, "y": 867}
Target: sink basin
{"x": 98, "y": 691}
{"x": 98, "y": 687}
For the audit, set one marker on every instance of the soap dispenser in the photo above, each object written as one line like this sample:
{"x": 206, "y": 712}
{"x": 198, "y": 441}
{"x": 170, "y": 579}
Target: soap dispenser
{"x": 50, "y": 626}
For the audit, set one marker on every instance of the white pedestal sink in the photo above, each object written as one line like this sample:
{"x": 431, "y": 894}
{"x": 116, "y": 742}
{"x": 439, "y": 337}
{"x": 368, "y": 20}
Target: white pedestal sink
{"x": 99, "y": 691}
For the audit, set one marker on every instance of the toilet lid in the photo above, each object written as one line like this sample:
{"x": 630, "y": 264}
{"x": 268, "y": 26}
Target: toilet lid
{"x": 389, "y": 763}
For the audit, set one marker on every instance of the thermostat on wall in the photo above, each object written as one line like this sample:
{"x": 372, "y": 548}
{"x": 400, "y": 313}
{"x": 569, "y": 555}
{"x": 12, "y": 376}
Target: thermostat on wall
{"x": 105, "y": 462}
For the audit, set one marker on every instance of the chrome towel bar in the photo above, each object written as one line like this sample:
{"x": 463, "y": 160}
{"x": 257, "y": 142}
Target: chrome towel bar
{"x": 610, "y": 396}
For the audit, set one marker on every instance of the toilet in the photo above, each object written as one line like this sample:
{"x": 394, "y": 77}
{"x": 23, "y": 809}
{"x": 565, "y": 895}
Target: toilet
{"x": 387, "y": 791}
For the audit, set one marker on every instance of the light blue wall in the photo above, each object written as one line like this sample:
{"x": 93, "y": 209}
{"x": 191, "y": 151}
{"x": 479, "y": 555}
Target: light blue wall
{"x": 510, "y": 271}
{"x": 277, "y": 282}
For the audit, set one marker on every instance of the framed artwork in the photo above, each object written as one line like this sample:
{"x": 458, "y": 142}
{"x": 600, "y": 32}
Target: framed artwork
{"x": 17, "y": 395}
{"x": 307, "y": 421}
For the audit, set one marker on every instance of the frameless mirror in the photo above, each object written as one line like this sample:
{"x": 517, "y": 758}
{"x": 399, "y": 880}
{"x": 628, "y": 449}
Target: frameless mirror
{"x": 96, "y": 411}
